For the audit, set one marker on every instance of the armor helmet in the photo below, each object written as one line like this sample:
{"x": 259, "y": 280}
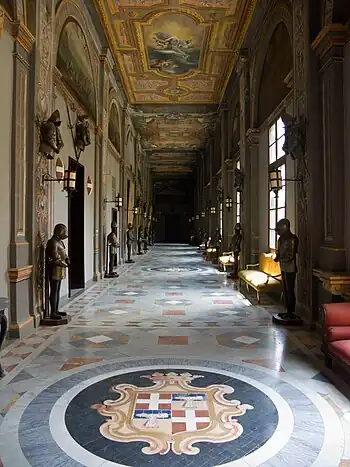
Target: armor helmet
{"x": 283, "y": 226}
{"x": 55, "y": 118}
{"x": 61, "y": 231}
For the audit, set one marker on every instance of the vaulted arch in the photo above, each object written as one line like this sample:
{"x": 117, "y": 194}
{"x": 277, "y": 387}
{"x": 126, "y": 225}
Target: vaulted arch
{"x": 278, "y": 64}
{"x": 73, "y": 55}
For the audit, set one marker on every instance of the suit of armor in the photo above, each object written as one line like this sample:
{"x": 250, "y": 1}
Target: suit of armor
{"x": 57, "y": 262}
{"x": 287, "y": 249}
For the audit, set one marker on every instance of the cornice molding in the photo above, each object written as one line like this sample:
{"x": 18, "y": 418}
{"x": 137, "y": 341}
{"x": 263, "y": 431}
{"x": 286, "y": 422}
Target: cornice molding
{"x": 332, "y": 35}
{"x": 20, "y": 274}
{"x": 23, "y": 36}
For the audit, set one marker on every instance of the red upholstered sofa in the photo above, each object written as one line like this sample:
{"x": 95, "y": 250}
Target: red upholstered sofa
{"x": 336, "y": 333}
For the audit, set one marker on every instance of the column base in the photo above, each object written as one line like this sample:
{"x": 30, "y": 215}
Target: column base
{"x": 24, "y": 329}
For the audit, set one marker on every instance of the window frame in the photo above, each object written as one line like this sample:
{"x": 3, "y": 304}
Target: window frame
{"x": 277, "y": 163}
{"x": 238, "y": 197}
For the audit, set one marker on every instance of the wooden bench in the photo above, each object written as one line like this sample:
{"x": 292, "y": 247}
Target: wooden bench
{"x": 264, "y": 276}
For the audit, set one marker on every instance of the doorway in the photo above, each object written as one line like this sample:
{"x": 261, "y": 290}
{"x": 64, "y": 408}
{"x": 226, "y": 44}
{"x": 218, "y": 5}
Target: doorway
{"x": 76, "y": 218}
{"x": 174, "y": 228}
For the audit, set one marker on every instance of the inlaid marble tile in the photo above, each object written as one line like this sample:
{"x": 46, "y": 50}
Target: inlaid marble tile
{"x": 78, "y": 362}
{"x": 173, "y": 340}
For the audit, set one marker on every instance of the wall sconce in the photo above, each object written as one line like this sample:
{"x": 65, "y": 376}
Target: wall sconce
{"x": 69, "y": 179}
{"x": 213, "y": 210}
{"x": 149, "y": 217}
{"x": 190, "y": 219}
{"x": 135, "y": 210}
{"x": 276, "y": 180}
{"x": 118, "y": 201}
{"x": 203, "y": 214}
{"x": 197, "y": 217}
{"x": 229, "y": 203}
{"x": 145, "y": 215}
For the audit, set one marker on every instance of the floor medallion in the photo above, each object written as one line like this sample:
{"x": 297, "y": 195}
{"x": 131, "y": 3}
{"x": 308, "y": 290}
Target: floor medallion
{"x": 169, "y": 412}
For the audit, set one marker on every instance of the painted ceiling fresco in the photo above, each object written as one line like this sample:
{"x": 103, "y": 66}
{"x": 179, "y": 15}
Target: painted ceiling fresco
{"x": 175, "y": 58}
{"x": 175, "y": 51}
{"x": 173, "y": 130}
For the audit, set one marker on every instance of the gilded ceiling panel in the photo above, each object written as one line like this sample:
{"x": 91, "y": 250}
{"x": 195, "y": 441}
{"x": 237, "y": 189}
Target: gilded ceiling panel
{"x": 175, "y": 51}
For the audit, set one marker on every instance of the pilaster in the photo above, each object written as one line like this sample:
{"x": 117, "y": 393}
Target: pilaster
{"x": 301, "y": 48}
{"x": 224, "y": 175}
{"x": 329, "y": 47}
{"x": 244, "y": 97}
{"x": 21, "y": 312}
{"x": 252, "y": 150}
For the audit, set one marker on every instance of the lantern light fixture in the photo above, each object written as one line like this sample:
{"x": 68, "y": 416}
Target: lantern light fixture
{"x": 213, "y": 210}
{"x": 276, "y": 181}
{"x": 118, "y": 201}
{"x": 228, "y": 203}
{"x": 69, "y": 179}
{"x": 203, "y": 213}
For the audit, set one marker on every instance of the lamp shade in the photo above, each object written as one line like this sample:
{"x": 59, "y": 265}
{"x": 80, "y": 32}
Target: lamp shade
{"x": 275, "y": 180}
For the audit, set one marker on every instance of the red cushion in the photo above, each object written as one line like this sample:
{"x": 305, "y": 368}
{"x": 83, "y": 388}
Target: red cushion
{"x": 338, "y": 333}
{"x": 340, "y": 350}
{"x": 337, "y": 314}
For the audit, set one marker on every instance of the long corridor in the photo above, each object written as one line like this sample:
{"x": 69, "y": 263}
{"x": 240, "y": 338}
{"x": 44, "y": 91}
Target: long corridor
{"x": 170, "y": 365}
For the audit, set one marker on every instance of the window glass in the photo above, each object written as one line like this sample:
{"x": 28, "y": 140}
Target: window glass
{"x": 277, "y": 202}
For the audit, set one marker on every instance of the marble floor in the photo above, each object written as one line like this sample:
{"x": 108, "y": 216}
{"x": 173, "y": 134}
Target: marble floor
{"x": 170, "y": 365}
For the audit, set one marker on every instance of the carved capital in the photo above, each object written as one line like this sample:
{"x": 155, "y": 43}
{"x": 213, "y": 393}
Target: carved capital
{"x": 331, "y": 36}
{"x": 20, "y": 274}
{"x": 334, "y": 283}
{"x": 253, "y": 137}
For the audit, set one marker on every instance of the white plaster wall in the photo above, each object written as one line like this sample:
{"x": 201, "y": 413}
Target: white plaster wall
{"x": 6, "y": 80}
{"x": 60, "y": 201}
{"x": 347, "y": 148}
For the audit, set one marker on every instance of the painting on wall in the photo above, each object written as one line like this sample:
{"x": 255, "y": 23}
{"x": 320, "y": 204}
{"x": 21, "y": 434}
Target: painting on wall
{"x": 114, "y": 128}
{"x": 173, "y": 43}
{"x": 73, "y": 62}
